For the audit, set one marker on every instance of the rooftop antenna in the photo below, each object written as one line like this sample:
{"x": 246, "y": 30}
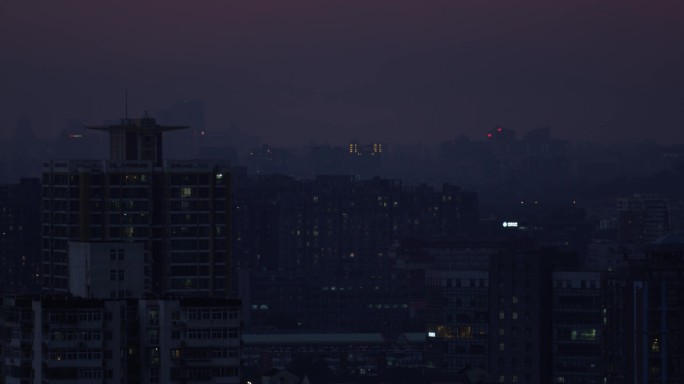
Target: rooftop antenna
{"x": 126, "y": 106}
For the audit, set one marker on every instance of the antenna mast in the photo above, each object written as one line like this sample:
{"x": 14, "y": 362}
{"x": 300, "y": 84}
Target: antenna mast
{"x": 126, "y": 107}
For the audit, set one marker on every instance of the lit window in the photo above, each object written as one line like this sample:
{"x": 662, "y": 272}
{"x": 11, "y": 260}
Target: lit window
{"x": 175, "y": 353}
{"x": 515, "y": 316}
{"x": 465, "y": 332}
{"x": 588, "y": 334}
{"x": 186, "y": 192}
{"x": 502, "y": 347}
{"x": 445, "y": 331}
{"x": 655, "y": 345}
{"x": 501, "y": 315}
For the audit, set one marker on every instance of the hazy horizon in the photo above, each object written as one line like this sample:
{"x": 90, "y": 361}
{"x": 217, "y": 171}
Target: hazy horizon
{"x": 304, "y": 71}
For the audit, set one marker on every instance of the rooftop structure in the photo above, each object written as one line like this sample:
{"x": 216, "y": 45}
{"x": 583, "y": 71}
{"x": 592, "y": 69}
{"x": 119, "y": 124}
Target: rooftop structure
{"x": 136, "y": 139}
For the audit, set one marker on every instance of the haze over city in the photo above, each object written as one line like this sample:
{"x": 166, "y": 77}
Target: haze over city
{"x": 298, "y": 71}
{"x": 335, "y": 192}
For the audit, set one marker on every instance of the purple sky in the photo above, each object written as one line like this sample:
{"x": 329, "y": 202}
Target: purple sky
{"x": 394, "y": 70}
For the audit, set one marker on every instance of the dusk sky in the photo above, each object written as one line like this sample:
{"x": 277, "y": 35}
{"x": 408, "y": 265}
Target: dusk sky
{"x": 399, "y": 71}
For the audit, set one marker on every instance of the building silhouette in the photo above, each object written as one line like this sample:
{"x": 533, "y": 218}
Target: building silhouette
{"x": 643, "y": 316}
{"x": 179, "y": 210}
{"x": 316, "y": 255}
{"x": 135, "y": 272}
{"x": 20, "y": 236}
{"x": 642, "y": 219}
{"x": 576, "y": 332}
{"x": 62, "y": 339}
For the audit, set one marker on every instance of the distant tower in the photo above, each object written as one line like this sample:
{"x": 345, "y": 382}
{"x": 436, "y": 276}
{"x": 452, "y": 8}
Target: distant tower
{"x": 501, "y": 134}
{"x": 136, "y": 139}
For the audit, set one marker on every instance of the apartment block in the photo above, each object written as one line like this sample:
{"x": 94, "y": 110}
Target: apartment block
{"x": 59, "y": 339}
{"x": 179, "y": 211}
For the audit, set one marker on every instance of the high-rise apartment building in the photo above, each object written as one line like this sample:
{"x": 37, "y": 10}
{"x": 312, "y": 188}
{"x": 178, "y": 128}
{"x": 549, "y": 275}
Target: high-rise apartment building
{"x": 179, "y": 211}
{"x": 643, "y": 317}
{"x": 576, "y": 327}
{"x": 489, "y": 306}
{"x": 142, "y": 248}
{"x": 519, "y": 324}
{"x": 457, "y": 321}
{"x": 19, "y": 236}
{"x": 316, "y": 254}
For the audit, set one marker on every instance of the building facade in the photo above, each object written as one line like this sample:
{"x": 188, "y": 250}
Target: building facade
{"x": 642, "y": 219}
{"x": 179, "y": 210}
{"x": 59, "y": 339}
{"x": 317, "y": 254}
{"x": 576, "y": 329}
{"x": 103, "y": 270}
{"x": 20, "y": 236}
{"x": 643, "y": 317}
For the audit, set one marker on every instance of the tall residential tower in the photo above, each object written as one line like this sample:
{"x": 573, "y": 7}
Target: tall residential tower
{"x": 178, "y": 210}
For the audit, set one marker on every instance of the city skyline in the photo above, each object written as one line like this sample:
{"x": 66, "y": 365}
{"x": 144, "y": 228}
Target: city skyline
{"x": 382, "y": 192}
{"x": 417, "y": 282}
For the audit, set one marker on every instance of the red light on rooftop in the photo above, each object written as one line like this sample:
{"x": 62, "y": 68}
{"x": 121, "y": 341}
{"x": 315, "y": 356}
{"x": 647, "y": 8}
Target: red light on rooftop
{"x": 499, "y": 129}
{"x": 489, "y": 135}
